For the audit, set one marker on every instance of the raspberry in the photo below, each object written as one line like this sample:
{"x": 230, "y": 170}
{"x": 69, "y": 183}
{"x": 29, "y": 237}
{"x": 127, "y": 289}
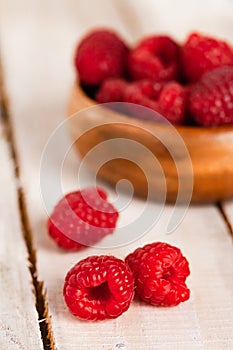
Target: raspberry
{"x": 135, "y": 93}
{"x": 211, "y": 98}
{"x": 100, "y": 55}
{"x": 167, "y": 99}
{"x": 201, "y": 54}
{"x": 82, "y": 218}
{"x": 149, "y": 88}
{"x": 160, "y": 271}
{"x": 99, "y": 287}
{"x": 173, "y": 102}
{"x": 156, "y": 57}
{"x": 111, "y": 90}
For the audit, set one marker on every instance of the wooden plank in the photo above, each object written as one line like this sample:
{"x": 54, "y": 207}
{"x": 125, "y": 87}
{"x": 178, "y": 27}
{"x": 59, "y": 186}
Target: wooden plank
{"x": 205, "y": 322}
{"x": 19, "y": 327}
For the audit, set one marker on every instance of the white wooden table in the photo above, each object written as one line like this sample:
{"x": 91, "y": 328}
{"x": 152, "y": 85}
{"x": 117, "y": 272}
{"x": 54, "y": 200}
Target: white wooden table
{"x": 37, "y": 43}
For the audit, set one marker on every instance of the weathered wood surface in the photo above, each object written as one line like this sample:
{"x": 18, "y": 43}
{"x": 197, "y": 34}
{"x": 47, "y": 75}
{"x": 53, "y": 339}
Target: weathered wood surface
{"x": 19, "y": 326}
{"x": 37, "y": 45}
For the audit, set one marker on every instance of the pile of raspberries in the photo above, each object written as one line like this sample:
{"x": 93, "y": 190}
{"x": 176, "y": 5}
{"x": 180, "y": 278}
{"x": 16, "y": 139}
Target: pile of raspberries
{"x": 188, "y": 84}
{"x": 103, "y": 287}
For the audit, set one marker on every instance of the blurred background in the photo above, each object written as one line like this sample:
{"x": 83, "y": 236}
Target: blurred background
{"x": 49, "y": 30}
{"x": 38, "y": 39}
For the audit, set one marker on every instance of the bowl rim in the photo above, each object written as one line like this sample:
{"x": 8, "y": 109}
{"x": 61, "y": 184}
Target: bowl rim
{"x": 215, "y": 140}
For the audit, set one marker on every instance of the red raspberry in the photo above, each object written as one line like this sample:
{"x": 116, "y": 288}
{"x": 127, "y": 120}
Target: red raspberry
{"x": 100, "y": 55}
{"x": 167, "y": 99}
{"x": 99, "y": 287}
{"x": 156, "y": 57}
{"x": 141, "y": 94}
{"x": 111, "y": 90}
{"x": 211, "y": 98}
{"x": 173, "y": 102}
{"x": 149, "y": 88}
{"x": 201, "y": 54}
{"x": 82, "y": 218}
{"x": 160, "y": 271}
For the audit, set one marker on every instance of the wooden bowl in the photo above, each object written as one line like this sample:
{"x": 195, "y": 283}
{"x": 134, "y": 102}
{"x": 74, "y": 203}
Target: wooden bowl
{"x": 210, "y": 165}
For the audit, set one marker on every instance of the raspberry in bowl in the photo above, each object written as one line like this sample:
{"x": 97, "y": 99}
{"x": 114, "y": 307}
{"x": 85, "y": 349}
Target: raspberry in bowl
{"x": 190, "y": 85}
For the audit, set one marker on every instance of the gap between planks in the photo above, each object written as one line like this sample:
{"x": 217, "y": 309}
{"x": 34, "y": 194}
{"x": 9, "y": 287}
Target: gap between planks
{"x": 41, "y": 302}
{"x": 225, "y": 218}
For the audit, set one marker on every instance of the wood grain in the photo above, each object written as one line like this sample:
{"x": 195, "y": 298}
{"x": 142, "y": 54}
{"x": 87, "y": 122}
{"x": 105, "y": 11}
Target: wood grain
{"x": 205, "y": 322}
{"x": 19, "y": 327}
{"x": 228, "y": 210}
{"x": 210, "y": 151}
